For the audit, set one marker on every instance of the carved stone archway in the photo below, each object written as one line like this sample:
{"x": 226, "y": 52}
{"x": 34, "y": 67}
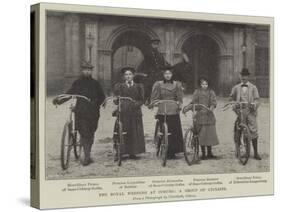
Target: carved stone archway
{"x": 212, "y": 35}
{"x": 106, "y": 54}
{"x": 225, "y": 60}
{"x": 125, "y": 28}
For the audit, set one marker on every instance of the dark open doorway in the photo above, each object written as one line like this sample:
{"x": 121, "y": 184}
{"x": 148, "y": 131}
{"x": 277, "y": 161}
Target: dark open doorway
{"x": 203, "y": 53}
{"x": 129, "y": 49}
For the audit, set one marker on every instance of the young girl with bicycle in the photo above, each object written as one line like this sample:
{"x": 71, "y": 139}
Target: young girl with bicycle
{"x": 205, "y": 121}
{"x": 168, "y": 89}
{"x": 131, "y": 114}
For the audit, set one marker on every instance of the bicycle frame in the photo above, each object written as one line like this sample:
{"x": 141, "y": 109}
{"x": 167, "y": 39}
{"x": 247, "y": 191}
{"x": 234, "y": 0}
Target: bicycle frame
{"x": 120, "y": 98}
{"x": 72, "y": 116}
{"x": 242, "y": 105}
{"x": 194, "y": 110}
{"x": 241, "y": 127}
{"x": 165, "y": 108}
{"x": 193, "y": 142}
{"x": 119, "y": 121}
{"x": 74, "y": 98}
{"x": 72, "y": 139}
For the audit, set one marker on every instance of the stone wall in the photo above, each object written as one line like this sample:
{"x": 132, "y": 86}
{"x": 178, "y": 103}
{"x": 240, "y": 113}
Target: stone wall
{"x": 55, "y": 53}
{"x": 72, "y": 38}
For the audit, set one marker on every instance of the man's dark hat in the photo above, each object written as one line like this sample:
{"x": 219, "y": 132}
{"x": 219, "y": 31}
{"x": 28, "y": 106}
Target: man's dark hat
{"x": 155, "y": 40}
{"x": 245, "y": 72}
{"x": 86, "y": 65}
{"x": 127, "y": 68}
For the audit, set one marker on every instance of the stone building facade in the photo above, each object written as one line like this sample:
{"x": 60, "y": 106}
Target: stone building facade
{"x": 216, "y": 50}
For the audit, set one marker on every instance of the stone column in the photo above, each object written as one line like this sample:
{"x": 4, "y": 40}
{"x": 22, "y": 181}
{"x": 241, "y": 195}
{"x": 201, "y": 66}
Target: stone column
{"x": 237, "y": 52}
{"x": 226, "y": 74}
{"x": 169, "y": 43}
{"x": 248, "y": 40}
{"x": 72, "y": 49}
{"x": 105, "y": 69}
{"x": 91, "y": 45}
{"x": 250, "y": 52}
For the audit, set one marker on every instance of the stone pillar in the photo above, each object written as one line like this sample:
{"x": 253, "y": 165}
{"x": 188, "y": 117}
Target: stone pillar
{"x": 238, "y": 41}
{"x": 72, "y": 49}
{"x": 237, "y": 52}
{"x": 250, "y": 52}
{"x": 226, "y": 74}
{"x": 91, "y": 45}
{"x": 169, "y": 43}
{"x": 105, "y": 69}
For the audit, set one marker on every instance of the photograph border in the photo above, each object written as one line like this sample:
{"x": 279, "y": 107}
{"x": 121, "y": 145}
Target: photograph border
{"x": 142, "y": 13}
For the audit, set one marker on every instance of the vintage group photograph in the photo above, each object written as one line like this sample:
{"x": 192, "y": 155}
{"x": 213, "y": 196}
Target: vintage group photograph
{"x": 139, "y": 96}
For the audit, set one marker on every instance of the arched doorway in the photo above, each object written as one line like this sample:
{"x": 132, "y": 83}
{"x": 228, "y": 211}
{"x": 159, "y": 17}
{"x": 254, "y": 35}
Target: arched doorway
{"x": 128, "y": 49}
{"x": 203, "y": 53}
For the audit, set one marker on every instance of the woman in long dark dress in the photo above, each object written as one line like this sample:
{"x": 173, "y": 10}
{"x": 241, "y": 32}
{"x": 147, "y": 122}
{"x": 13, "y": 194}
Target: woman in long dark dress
{"x": 168, "y": 89}
{"x": 205, "y": 119}
{"x": 131, "y": 114}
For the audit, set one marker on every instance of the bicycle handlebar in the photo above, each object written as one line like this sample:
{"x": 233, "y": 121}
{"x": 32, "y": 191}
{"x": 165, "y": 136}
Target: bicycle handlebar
{"x": 247, "y": 104}
{"x": 194, "y": 105}
{"x": 163, "y": 101}
{"x": 73, "y": 96}
{"x": 118, "y": 97}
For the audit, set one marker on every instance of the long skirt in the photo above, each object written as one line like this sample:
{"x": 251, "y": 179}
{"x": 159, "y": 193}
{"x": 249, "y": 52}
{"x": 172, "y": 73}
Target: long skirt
{"x": 207, "y": 135}
{"x": 176, "y": 136}
{"x": 134, "y": 137}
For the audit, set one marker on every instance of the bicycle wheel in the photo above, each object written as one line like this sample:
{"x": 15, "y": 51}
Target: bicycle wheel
{"x": 164, "y": 145}
{"x": 66, "y": 142}
{"x": 242, "y": 144}
{"x": 119, "y": 144}
{"x": 77, "y": 145}
{"x": 157, "y": 137}
{"x": 190, "y": 147}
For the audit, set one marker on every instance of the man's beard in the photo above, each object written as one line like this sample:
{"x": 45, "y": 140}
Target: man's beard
{"x": 86, "y": 75}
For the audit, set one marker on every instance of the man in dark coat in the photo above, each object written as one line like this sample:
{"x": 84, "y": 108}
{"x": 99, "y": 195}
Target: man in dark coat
{"x": 154, "y": 63}
{"x": 86, "y": 113}
{"x": 182, "y": 70}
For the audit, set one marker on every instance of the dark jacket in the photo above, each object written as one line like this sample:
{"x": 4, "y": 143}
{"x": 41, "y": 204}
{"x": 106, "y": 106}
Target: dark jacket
{"x": 154, "y": 62}
{"x": 90, "y": 88}
{"x": 182, "y": 72}
{"x": 136, "y": 92}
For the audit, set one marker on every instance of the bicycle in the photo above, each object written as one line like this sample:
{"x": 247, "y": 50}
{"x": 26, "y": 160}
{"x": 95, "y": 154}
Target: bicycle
{"x": 120, "y": 132}
{"x": 191, "y": 140}
{"x": 70, "y": 135}
{"x": 161, "y": 133}
{"x": 242, "y": 136}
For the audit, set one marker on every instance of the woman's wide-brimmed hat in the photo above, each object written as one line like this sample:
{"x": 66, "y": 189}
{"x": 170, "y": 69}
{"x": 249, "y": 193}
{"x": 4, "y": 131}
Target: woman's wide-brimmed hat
{"x": 127, "y": 68}
{"x": 245, "y": 72}
{"x": 167, "y": 68}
